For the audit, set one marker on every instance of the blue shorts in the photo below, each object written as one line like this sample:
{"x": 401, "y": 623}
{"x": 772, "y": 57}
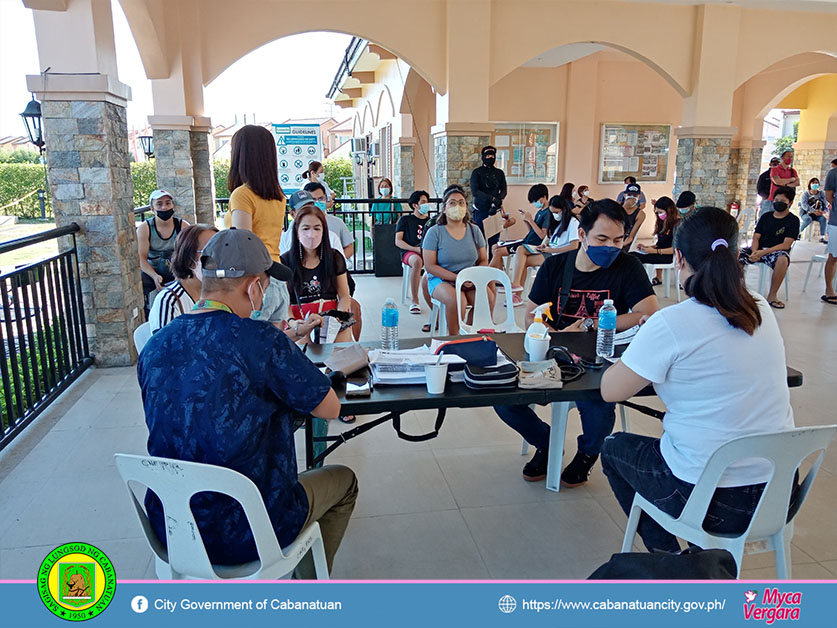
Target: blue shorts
{"x": 433, "y": 283}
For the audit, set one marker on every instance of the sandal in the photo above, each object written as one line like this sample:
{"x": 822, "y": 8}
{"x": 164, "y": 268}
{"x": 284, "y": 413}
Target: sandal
{"x": 426, "y": 328}
{"x": 656, "y": 282}
{"x": 347, "y": 419}
{"x": 777, "y": 305}
{"x": 830, "y": 300}
{"x": 415, "y": 309}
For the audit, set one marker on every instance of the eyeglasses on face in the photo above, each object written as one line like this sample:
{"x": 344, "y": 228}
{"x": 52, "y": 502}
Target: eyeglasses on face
{"x": 455, "y": 203}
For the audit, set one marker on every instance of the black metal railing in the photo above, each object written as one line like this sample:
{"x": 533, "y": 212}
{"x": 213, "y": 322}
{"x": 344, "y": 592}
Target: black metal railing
{"x": 43, "y": 332}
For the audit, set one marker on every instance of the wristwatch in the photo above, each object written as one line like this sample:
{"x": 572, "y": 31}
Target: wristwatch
{"x": 588, "y": 324}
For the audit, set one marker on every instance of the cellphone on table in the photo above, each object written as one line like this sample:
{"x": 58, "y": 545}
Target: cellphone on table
{"x": 358, "y": 389}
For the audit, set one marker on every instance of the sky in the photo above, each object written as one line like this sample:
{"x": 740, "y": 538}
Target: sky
{"x": 295, "y": 90}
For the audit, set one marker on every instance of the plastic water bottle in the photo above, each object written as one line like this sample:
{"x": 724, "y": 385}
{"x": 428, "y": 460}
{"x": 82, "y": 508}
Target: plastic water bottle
{"x": 607, "y": 328}
{"x": 389, "y": 326}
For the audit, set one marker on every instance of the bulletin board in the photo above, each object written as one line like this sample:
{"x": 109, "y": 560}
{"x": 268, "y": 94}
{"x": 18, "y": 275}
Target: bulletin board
{"x": 527, "y": 152}
{"x": 637, "y": 150}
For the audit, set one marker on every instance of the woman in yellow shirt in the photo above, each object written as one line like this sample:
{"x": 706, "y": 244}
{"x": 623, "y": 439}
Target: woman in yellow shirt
{"x": 257, "y": 202}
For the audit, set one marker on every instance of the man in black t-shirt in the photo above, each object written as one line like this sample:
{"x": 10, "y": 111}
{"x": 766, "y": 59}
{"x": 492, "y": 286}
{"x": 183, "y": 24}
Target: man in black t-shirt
{"x": 775, "y": 233}
{"x": 409, "y": 231}
{"x": 600, "y": 271}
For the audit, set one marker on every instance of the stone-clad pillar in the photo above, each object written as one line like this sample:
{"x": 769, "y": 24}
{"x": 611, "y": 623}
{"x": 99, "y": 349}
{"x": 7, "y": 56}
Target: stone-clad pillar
{"x": 86, "y": 134}
{"x": 744, "y": 171}
{"x": 703, "y": 159}
{"x": 203, "y": 175}
{"x": 813, "y": 160}
{"x": 456, "y": 152}
{"x": 403, "y": 167}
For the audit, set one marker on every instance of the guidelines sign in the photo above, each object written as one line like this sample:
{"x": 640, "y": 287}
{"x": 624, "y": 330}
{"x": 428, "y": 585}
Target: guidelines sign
{"x": 297, "y": 145}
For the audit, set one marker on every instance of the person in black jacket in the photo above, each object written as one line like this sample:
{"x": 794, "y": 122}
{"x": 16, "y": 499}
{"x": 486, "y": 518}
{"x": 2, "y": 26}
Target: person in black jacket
{"x": 763, "y": 188}
{"x": 488, "y": 186}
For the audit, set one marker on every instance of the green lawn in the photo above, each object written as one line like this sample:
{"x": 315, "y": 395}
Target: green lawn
{"x": 8, "y": 261}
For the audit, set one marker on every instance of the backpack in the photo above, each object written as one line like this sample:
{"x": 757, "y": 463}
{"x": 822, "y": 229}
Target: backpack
{"x": 763, "y": 184}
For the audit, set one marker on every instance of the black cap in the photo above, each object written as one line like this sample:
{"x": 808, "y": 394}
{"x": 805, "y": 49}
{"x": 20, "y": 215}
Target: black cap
{"x": 686, "y": 199}
{"x": 632, "y": 188}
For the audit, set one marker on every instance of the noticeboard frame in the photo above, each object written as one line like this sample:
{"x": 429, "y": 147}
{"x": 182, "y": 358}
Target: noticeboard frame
{"x": 661, "y": 170}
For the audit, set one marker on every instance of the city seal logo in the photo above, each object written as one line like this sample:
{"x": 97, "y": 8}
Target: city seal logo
{"x": 76, "y": 581}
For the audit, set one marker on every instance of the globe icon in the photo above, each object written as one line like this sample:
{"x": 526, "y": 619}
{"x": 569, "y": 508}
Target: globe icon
{"x": 507, "y": 604}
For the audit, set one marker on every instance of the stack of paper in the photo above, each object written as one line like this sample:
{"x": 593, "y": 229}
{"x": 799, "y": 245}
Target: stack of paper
{"x": 405, "y": 366}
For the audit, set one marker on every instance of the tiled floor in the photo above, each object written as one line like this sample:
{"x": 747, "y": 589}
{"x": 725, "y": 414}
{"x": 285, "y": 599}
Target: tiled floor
{"x": 452, "y": 507}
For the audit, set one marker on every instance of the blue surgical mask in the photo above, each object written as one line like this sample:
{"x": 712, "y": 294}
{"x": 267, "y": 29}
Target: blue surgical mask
{"x": 815, "y": 186}
{"x": 602, "y": 256}
{"x": 320, "y": 204}
{"x": 385, "y": 191}
{"x": 538, "y": 205}
{"x": 684, "y": 210}
{"x": 424, "y": 209}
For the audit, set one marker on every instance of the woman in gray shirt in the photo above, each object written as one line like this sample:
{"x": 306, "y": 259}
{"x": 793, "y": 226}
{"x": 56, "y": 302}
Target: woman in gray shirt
{"x": 449, "y": 246}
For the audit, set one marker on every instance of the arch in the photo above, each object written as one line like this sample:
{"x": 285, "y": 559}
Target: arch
{"x": 385, "y": 97}
{"x": 367, "y": 122}
{"x": 760, "y": 93}
{"x": 581, "y": 23}
{"x": 147, "y": 38}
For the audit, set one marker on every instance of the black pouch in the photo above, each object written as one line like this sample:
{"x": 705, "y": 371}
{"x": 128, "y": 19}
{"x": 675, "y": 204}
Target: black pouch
{"x": 503, "y": 376}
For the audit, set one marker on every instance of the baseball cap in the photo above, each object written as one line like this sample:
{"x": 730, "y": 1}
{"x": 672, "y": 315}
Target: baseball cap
{"x": 774, "y": 160}
{"x": 158, "y": 194}
{"x": 632, "y": 188}
{"x": 300, "y": 199}
{"x": 686, "y": 199}
{"x": 240, "y": 253}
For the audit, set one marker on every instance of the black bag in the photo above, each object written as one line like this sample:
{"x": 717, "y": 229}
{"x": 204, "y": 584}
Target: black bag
{"x": 479, "y": 377}
{"x": 692, "y": 564}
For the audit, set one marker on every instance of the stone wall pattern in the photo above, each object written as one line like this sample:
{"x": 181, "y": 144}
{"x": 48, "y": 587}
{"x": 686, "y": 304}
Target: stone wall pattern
{"x": 703, "y": 167}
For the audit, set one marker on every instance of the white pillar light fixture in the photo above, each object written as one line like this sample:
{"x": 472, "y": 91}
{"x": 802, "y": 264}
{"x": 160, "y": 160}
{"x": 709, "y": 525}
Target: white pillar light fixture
{"x": 147, "y": 143}
{"x": 32, "y": 119}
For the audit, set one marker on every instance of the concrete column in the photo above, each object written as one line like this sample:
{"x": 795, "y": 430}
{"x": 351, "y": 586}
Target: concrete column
{"x": 702, "y": 165}
{"x": 86, "y": 134}
{"x": 744, "y": 171}
{"x": 403, "y": 166}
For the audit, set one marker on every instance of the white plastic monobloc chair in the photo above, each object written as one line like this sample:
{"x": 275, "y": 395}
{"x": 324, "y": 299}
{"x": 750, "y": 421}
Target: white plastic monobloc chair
{"x": 405, "y": 282}
{"x": 766, "y": 276}
{"x": 185, "y": 558}
{"x": 531, "y": 272}
{"x": 482, "y": 277}
{"x": 816, "y": 259}
{"x": 669, "y": 277}
{"x": 785, "y": 450}
{"x": 623, "y": 417}
{"x": 142, "y": 334}
{"x": 438, "y": 316}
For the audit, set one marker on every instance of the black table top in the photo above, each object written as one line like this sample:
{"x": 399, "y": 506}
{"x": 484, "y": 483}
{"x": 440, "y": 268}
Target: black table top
{"x": 389, "y": 398}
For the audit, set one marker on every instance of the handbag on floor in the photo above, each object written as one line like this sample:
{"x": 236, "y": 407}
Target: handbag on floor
{"x": 691, "y": 564}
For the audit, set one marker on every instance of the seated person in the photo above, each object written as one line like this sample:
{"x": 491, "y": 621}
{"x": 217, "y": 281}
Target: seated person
{"x": 667, "y": 219}
{"x": 318, "y": 282}
{"x": 813, "y": 207}
{"x": 178, "y": 297}
{"x": 450, "y": 246}
{"x": 558, "y": 241}
{"x": 539, "y": 228}
{"x": 499, "y": 252}
{"x": 384, "y": 213}
{"x": 155, "y": 243}
{"x": 347, "y": 246}
{"x": 620, "y": 198}
{"x": 409, "y": 231}
{"x": 600, "y": 270}
{"x": 775, "y": 234}
{"x": 686, "y": 350}
{"x": 686, "y": 202}
{"x": 232, "y": 404}
{"x": 633, "y": 201}
{"x": 583, "y": 193}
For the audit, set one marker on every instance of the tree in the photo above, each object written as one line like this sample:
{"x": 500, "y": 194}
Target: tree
{"x": 20, "y": 156}
{"x": 335, "y": 169}
{"x": 786, "y": 143}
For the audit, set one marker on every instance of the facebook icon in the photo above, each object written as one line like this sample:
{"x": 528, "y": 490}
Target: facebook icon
{"x": 139, "y": 604}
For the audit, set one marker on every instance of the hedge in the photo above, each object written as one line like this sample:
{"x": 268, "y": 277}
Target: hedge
{"x": 16, "y": 181}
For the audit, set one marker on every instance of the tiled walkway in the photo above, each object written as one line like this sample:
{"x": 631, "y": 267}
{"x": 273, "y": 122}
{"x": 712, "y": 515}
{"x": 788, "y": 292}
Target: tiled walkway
{"x": 452, "y": 507}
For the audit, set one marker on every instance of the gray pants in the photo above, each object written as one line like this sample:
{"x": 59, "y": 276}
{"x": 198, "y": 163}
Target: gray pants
{"x": 765, "y": 207}
{"x": 331, "y": 492}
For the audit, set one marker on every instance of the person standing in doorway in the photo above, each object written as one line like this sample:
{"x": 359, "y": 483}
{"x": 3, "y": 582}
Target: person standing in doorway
{"x": 783, "y": 175}
{"x": 763, "y": 188}
{"x": 488, "y": 187}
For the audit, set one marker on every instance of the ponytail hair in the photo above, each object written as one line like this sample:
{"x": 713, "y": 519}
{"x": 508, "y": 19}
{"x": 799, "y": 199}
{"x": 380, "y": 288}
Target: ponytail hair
{"x": 314, "y": 166}
{"x": 708, "y": 240}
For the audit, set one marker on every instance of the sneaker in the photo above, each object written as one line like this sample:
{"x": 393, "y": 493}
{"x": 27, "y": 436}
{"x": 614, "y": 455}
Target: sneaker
{"x": 535, "y": 469}
{"x": 577, "y": 472}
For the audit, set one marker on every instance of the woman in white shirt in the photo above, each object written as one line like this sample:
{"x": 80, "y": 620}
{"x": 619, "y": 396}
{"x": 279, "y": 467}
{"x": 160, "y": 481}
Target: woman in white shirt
{"x": 692, "y": 353}
{"x": 180, "y": 295}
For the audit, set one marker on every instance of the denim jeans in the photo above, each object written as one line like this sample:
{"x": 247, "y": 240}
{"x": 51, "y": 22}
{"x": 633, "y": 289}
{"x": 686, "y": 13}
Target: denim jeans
{"x": 597, "y": 419}
{"x": 807, "y": 219}
{"x": 634, "y": 464}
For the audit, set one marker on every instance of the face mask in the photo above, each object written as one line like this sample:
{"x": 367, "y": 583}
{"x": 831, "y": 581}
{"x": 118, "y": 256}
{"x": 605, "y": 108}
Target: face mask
{"x": 538, "y": 205}
{"x": 489, "y": 161}
{"x": 385, "y": 191}
{"x": 779, "y": 206}
{"x": 455, "y": 213}
{"x": 311, "y": 239}
{"x": 661, "y": 215}
{"x": 320, "y": 204}
{"x": 165, "y": 214}
{"x": 557, "y": 215}
{"x": 788, "y": 161}
{"x": 585, "y": 193}
{"x": 255, "y": 314}
{"x": 683, "y": 210}
{"x": 602, "y": 256}
{"x": 815, "y": 186}
{"x": 424, "y": 208}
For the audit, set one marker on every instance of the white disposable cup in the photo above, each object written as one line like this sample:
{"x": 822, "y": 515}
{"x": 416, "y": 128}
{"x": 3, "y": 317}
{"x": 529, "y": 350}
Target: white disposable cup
{"x": 538, "y": 348}
{"x": 436, "y": 375}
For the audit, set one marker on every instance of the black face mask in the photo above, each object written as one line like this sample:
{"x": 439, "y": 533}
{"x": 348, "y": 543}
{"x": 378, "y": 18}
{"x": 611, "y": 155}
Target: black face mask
{"x": 165, "y": 215}
{"x": 489, "y": 160}
{"x": 779, "y": 206}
